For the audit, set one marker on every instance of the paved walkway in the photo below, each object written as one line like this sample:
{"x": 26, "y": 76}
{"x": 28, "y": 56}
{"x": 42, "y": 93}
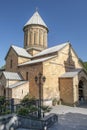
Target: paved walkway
{"x": 62, "y": 109}
{"x": 70, "y": 118}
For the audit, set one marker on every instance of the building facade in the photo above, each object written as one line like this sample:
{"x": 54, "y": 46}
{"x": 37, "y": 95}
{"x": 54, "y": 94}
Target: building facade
{"x": 66, "y": 79}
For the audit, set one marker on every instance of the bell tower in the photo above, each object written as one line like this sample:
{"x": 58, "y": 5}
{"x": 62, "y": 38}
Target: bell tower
{"x": 35, "y": 34}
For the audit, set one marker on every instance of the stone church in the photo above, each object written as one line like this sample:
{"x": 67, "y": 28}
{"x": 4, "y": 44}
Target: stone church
{"x": 66, "y": 79}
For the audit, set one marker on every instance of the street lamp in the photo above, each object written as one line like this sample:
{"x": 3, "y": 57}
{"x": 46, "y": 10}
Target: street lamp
{"x": 40, "y": 79}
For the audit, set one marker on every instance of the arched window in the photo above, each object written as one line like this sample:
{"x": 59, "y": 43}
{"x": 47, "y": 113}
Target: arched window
{"x": 30, "y": 36}
{"x": 25, "y": 38}
{"x": 35, "y": 37}
{"x": 26, "y": 75}
{"x": 11, "y": 62}
{"x": 22, "y": 91}
{"x": 41, "y": 37}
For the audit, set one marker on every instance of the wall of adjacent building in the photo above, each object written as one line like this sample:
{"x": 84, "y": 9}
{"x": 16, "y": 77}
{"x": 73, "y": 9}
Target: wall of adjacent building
{"x": 20, "y": 91}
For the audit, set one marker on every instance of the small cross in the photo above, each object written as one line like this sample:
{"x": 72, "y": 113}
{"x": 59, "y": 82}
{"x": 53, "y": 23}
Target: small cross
{"x": 37, "y": 9}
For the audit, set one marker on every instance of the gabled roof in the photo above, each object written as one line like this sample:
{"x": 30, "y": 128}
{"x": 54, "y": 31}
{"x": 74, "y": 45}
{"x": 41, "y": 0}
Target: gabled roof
{"x": 52, "y": 49}
{"x": 37, "y": 61}
{"x": 36, "y": 19}
{"x": 71, "y": 74}
{"x": 12, "y": 76}
{"x": 20, "y": 51}
{"x": 17, "y": 84}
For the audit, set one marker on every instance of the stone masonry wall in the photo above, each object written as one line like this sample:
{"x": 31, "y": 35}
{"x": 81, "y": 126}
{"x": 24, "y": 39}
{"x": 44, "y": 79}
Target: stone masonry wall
{"x": 20, "y": 91}
{"x": 12, "y": 56}
{"x": 22, "y": 60}
{"x": 2, "y": 85}
{"x": 75, "y": 89}
{"x": 35, "y": 36}
{"x": 53, "y": 69}
{"x": 32, "y": 71}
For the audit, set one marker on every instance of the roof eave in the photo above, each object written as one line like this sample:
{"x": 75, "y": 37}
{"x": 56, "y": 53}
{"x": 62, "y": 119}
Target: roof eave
{"x": 16, "y": 53}
{"x": 50, "y": 52}
{"x": 37, "y": 62}
{"x": 25, "y": 26}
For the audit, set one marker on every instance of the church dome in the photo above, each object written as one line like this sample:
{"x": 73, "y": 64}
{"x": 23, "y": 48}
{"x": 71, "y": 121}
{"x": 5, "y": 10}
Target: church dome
{"x": 36, "y": 20}
{"x": 35, "y": 34}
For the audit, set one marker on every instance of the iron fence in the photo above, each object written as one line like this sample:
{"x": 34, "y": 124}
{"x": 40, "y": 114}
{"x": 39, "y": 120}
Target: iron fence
{"x": 12, "y": 106}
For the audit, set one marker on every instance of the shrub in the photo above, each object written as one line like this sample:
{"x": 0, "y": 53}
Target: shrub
{"x": 6, "y": 112}
{"x": 2, "y": 100}
{"x": 33, "y": 108}
{"x": 28, "y": 98}
{"x": 46, "y": 108}
{"x": 2, "y": 104}
{"x": 23, "y": 111}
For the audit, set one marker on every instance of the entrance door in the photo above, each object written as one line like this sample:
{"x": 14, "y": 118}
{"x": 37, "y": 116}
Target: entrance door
{"x": 81, "y": 95}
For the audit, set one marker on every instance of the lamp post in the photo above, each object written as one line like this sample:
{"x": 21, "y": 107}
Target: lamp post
{"x": 40, "y": 79}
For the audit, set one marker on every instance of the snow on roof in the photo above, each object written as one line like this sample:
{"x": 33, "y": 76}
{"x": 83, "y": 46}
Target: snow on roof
{"x": 52, "y": 49}
{"x": 17, "y": 84}
{"x": 12, "y": 76}
{"x": 37, "y": 61}
{"x": 71, "y": 74}
{"x": 21, "y": 51}
{"x": 36, "y": 19}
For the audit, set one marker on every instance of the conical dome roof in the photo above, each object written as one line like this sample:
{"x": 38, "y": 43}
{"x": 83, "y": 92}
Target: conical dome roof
{"x": 36, "y": 19}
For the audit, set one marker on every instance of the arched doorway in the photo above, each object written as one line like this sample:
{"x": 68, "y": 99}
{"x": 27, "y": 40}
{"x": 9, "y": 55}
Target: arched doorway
{"x": 81, "y": 90}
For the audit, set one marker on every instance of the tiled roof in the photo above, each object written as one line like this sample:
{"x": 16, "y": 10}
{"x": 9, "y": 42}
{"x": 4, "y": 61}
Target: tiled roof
{"x": 71, "y": 74}
{"x": 21, "y": 51}
{"x": 12, "y": 76}
{"x": 52, "y": 49}
{"x": 36, "y": 19}
{"x": 17, "y": 84}
{"x": 37, "y": 60}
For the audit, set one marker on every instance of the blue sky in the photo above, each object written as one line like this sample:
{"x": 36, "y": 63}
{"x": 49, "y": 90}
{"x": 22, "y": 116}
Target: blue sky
{"x": 66, "y": 20}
